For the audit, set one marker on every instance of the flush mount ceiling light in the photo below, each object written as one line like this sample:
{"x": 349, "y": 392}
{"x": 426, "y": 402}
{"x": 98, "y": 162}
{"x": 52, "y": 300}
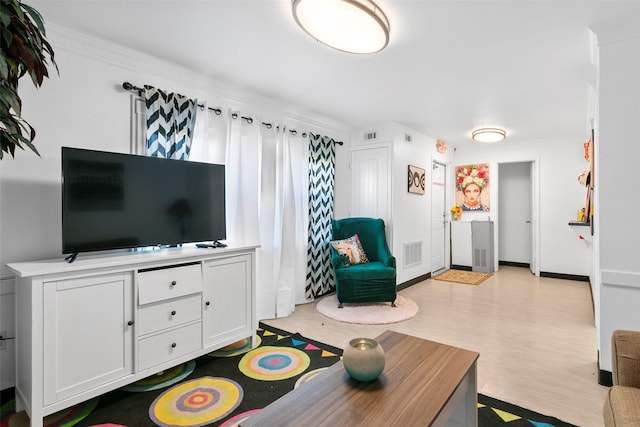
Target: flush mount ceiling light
{"x": 488, "y": 135}
{"x": 353, "y": 26}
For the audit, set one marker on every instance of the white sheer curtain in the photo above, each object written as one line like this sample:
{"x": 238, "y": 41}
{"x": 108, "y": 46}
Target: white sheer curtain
{"x": 267, "y": 201}
{"x": 283, "y": 218}
{"x": 209, "y": 136}
{"x": 243, "y": 181}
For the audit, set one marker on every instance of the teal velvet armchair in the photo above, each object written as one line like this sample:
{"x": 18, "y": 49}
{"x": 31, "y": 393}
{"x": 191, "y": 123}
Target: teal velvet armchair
{"x": 374, "y": 281}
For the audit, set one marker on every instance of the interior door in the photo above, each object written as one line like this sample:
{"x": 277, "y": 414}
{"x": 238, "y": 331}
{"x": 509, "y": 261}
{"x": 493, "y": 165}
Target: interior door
{"x": 371, "y": 184}
{"x": 438, "y": 216}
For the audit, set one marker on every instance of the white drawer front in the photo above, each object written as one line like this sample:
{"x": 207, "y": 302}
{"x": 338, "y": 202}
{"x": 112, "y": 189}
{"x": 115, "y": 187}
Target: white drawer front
{"x": 166, "y": 283}
{"x": 167, "y": 314}
{"x": 161, "y": 348}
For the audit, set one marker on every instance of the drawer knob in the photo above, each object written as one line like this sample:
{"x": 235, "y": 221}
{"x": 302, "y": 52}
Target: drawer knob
{"x": 173, "y": 313}
{"x": 208, "y": 303}
{"x": 173, "y": 345}
{"x": 173, "y": 283}
{"x": 130, "y": 323}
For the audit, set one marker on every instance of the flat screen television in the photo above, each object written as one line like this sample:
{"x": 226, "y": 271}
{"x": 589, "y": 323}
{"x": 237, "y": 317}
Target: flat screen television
{"x": 117, "y": 201}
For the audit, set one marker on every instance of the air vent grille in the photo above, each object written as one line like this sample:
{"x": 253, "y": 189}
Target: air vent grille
{"x": 412, "y": 253}
{"x": 408, "y": 138}
{"x": 371, "y": 135}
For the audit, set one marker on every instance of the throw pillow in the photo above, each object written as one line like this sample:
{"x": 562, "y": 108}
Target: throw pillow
{"x": 351, "y": 249}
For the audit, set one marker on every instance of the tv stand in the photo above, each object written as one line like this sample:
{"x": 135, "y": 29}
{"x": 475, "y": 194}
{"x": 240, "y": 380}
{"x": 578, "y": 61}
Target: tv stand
{"x": 131, "y": 314}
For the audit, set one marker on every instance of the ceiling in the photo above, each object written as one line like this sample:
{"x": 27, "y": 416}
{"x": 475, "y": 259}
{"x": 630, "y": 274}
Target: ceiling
{"x": 450, "y": 66}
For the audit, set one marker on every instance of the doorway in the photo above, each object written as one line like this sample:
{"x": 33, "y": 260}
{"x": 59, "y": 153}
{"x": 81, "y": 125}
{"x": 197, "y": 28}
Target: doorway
{"x": 517, "y": 245}
{"x": 438, "y": 216}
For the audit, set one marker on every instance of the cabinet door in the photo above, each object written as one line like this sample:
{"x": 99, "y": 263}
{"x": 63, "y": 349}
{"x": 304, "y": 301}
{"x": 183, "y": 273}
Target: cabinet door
{"x": 227, "y": 300}
{"x": 87, "y": 339}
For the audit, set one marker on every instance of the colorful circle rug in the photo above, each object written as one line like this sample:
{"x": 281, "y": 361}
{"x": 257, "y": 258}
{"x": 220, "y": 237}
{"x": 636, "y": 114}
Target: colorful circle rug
{"x": 371, "y": 313}
{"x": 197, "y": 402}
{"x": 274, "y": 363}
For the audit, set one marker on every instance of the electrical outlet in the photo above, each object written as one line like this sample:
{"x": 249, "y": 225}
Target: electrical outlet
{"x": 3, "y": 338}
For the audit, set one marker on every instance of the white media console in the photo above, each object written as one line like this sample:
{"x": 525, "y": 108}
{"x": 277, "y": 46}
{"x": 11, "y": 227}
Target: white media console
{"x": 105, "y": 321}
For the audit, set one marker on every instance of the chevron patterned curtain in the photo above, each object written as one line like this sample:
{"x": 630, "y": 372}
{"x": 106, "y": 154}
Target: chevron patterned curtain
{"x": 321, "y": 186}
{"x": 170, "y": 122}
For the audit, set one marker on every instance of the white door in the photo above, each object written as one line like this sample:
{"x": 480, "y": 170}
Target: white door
{"x": 515, "y": 213}
{"x": 371, "y": 184}
{"x": 438, "y": 216}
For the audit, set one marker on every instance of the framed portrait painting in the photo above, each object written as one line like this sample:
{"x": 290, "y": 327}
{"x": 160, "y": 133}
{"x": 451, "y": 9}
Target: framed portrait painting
{"x": 472, "y": 187}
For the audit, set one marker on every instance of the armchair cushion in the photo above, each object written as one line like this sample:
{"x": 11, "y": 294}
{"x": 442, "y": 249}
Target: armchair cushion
{"x": 351, "y": 248}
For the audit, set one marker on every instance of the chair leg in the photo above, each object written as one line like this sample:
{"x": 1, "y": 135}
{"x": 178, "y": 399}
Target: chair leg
{"x": 393, "y": 304}
{"x": 340, "y": 305}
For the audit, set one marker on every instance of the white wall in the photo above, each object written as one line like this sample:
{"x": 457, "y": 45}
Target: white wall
{"x": 86, "y": 107}
{"x": 617, "y": 154}
{"x": 559, "y": 161}
{"x": 410, "y": 213}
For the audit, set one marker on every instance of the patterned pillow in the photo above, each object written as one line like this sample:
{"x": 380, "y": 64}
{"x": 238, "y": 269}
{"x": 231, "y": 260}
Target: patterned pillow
{"x": 351, "y": 249}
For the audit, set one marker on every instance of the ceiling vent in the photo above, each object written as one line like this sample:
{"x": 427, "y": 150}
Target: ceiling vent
{"x": 370, "y": 135}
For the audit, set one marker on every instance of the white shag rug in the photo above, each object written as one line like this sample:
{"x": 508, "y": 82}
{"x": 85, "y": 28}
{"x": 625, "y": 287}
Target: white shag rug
{"x": 370, "y": 313}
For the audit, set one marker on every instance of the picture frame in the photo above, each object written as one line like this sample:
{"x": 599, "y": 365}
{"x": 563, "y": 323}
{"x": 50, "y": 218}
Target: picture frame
{"x": 417, "y": 180}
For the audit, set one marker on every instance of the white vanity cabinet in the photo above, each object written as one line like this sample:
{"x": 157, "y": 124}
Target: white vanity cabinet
{"x": 105, "y": 321}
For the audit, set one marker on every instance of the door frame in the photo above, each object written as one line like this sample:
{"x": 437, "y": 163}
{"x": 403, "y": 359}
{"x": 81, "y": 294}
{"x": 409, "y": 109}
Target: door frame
{"x": 535, "y": 213}
{"x": 446, "y": 194}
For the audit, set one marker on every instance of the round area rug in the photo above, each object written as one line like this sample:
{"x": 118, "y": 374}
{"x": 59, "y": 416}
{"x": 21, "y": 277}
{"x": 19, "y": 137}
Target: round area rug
{"x": 372, "y": 313}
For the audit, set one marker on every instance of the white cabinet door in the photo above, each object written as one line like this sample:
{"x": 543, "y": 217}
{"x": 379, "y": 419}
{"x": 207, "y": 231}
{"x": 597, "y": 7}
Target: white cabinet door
{"x": 88, "y": 340}
{"x": 227, "y": 314}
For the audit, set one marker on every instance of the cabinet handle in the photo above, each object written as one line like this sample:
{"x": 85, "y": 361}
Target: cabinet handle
{"x": 208, "y": 303}
{"x": 173, "y": 313}
{"x": 173, "y": 283}
{"x": 173, "y": 345}
{"x": 130, "y": 323}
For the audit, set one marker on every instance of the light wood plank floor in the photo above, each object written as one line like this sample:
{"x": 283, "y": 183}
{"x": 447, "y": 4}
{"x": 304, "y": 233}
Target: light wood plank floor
{"x": 536, "y": 337}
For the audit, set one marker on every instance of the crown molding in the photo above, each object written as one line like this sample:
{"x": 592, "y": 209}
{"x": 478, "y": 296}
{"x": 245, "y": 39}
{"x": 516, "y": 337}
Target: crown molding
{"x": 617, "y": 30}
{"x": 220, "y": 94}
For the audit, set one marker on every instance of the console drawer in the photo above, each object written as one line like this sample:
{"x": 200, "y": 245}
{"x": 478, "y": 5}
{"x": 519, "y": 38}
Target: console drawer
{"x": 161, "y": 315}
{"x": 164, "y": 347}
{"x": 166, "y": 283}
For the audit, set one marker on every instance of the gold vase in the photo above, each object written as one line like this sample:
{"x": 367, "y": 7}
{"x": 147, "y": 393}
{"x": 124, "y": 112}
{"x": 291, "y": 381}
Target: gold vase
{"x": 363, "y": 359}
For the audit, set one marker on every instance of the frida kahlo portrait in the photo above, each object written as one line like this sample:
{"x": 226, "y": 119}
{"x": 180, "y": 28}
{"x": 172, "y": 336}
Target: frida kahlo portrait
{"x": 472, "y": 187}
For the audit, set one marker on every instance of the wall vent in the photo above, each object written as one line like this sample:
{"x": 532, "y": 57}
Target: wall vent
{"x": 371, "y": 135}
{"x": 412, "y": 253}
{"x": 408, "y": 138}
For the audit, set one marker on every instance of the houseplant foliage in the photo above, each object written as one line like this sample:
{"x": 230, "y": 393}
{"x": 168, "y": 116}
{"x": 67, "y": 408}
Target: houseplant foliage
{"x": 24, "y": 51}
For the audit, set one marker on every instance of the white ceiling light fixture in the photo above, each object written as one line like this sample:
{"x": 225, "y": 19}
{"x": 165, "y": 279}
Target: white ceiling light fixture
{"x": 353, "y": 26}
{"x": 488, "y": 135}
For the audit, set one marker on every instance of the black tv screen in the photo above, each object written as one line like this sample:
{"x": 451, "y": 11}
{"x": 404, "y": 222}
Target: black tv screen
{"x": 115, "y": 201}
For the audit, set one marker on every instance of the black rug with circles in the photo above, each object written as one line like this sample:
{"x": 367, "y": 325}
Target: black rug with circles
{"x": 227, "y": 386}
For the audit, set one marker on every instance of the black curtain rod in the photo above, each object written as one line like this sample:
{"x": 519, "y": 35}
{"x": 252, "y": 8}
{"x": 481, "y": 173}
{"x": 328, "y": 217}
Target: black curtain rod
{"x": 140, "y": 90}
{"x": 218, "y": 111}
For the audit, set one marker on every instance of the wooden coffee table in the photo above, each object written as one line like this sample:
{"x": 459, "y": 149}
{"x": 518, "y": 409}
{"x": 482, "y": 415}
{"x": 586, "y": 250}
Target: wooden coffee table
{"x": 424, "y": 383}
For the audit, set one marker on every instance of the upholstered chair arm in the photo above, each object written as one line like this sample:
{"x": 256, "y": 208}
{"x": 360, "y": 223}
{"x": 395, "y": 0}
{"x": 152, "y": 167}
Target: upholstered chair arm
{"x": 625, "y": 355}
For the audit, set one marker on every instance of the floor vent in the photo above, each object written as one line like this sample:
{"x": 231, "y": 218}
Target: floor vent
{"x": 371, "y": 135}
{"x": 412, "y": 253}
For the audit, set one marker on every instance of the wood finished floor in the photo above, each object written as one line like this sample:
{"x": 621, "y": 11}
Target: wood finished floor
{"x": 536, "y": 337}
